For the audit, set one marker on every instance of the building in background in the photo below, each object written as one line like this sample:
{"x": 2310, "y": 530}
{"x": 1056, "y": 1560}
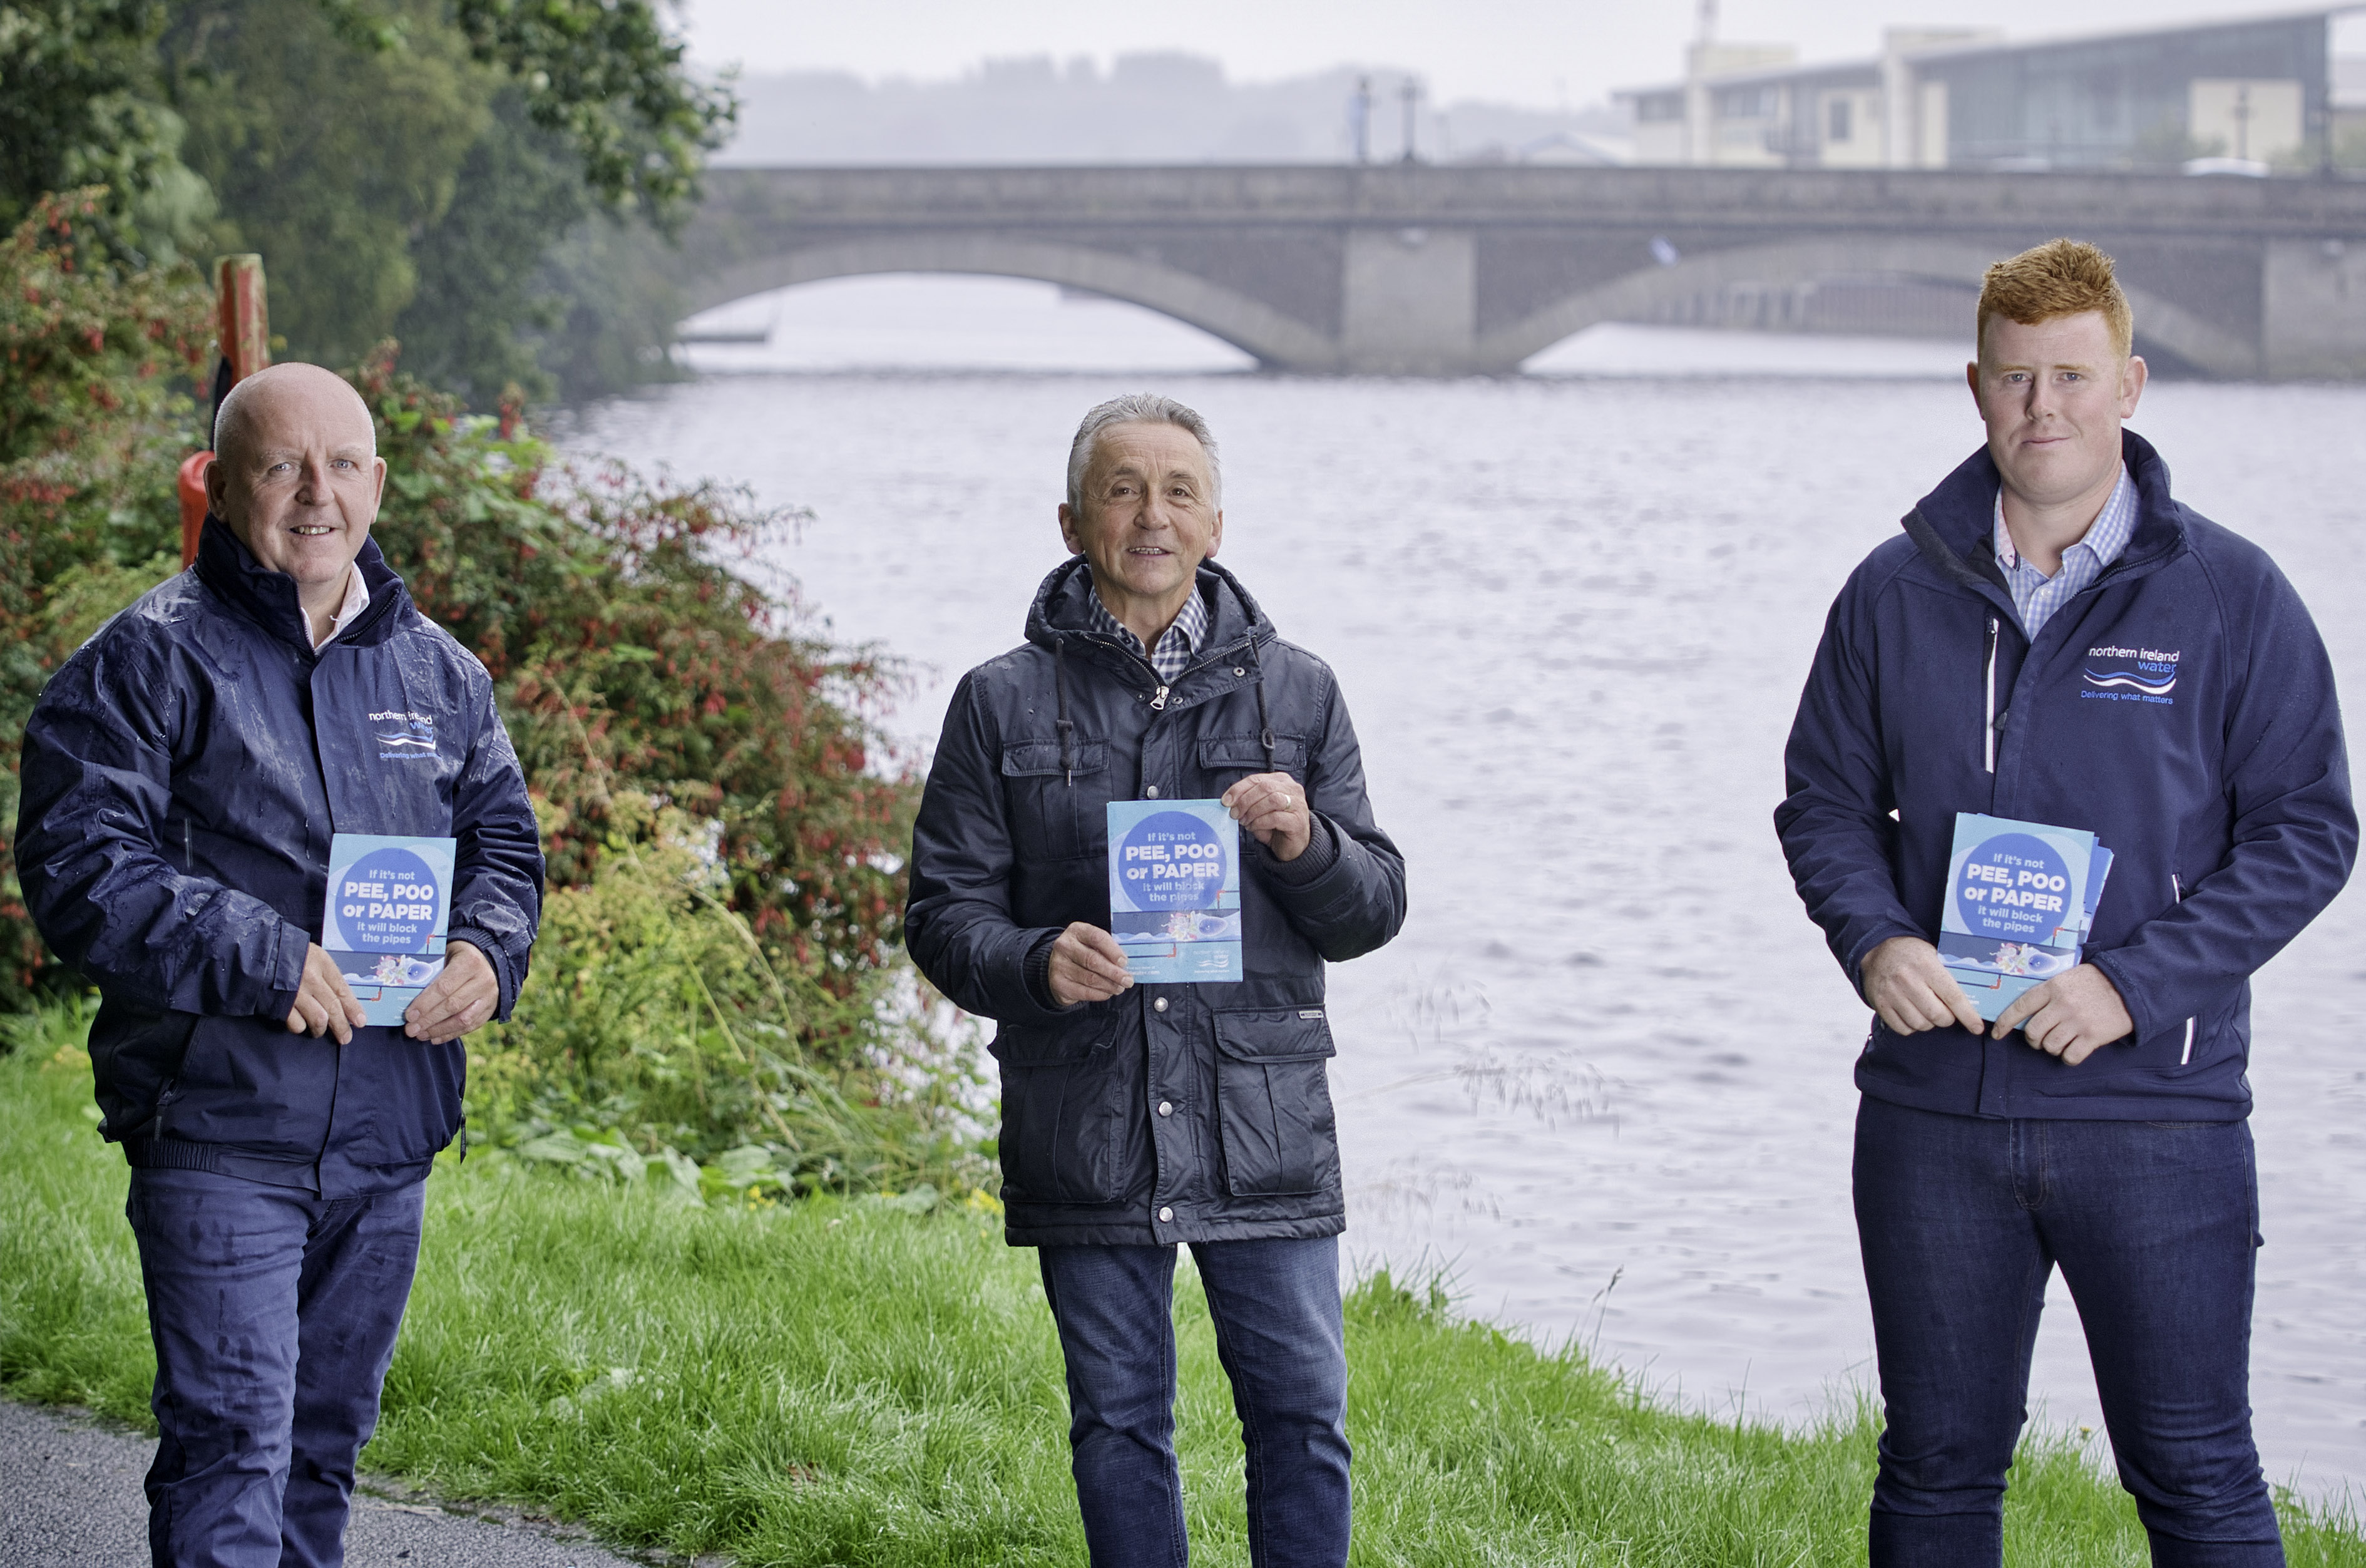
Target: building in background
{"x": 2260, "y": 90}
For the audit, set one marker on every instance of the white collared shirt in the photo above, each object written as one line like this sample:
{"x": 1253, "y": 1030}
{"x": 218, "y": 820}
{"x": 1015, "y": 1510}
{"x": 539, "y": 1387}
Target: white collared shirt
{"x": 356, "y": 600}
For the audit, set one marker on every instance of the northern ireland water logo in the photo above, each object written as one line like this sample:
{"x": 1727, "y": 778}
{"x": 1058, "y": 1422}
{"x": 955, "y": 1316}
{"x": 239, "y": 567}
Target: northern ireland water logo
{"x": 403, "y": 737}
{"x": 2132, "y": 675}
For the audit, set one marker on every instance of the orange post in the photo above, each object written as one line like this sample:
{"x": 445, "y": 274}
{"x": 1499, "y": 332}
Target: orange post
{"x": 193, "y": 502}
{"x": 243, "y": 332}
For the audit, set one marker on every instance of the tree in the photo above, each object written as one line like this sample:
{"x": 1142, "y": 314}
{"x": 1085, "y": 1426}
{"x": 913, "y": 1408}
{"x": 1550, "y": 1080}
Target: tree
{"x": 78, "y": 108}
{"x": 411, "y": 166}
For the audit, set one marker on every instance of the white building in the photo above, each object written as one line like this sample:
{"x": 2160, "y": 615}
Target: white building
{"x": 2258, "y": 89}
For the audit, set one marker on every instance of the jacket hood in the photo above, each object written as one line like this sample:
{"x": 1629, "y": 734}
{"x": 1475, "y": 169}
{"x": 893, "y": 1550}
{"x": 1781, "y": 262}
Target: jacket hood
{"x": 1059, "y": 612}
{"x": 1954, "y": 526}
{"x": 269, "y": 599}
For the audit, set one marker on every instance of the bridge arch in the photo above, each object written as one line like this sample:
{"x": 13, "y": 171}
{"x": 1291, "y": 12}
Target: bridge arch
{"x": 1641, "y": 295}
{"x": 1253, "y": 327}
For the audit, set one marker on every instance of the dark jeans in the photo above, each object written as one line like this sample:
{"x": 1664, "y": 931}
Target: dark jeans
{"x": 2156, "y": 1228}
{"x": 1275, "y": 1306}
{"x": 274, "y": 1313}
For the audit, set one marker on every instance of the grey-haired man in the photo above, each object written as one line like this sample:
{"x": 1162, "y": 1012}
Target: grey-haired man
{"x": 1136, "y": 1117}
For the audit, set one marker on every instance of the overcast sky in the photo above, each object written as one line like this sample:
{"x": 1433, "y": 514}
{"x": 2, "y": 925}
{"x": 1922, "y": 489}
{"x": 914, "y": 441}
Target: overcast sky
{"x": 1528, "y": 52}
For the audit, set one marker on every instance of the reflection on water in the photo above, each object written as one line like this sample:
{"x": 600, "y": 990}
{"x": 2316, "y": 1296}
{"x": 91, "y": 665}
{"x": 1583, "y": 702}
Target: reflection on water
{"x": 1571, "y": 616}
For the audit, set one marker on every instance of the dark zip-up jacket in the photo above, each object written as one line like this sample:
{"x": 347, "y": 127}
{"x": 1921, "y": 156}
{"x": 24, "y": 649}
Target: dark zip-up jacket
{"x": 1173, "y": 1112}
{"x": 2180, "y": 707}
{"x": 183, "y": 774}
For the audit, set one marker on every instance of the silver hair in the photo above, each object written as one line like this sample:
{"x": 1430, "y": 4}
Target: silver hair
{"x": 1138, "y": 408}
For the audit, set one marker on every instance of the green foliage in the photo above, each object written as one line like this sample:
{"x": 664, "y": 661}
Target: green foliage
{"x": 484, "y": 296}
{"x": 629, "y": 656}
{"x": 325, "y": 157}
{"x": 878, "y": 1383}
{"x": 605, "y": 75}
{"x": 405, "y": 167}
{"x": 72, "y": 76}
{"x": 95, "y": 361}
{"x": 655, "y": 1034}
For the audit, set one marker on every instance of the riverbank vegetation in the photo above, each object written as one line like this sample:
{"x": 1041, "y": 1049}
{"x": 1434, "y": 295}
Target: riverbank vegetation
{"x": 875, "y": 1382}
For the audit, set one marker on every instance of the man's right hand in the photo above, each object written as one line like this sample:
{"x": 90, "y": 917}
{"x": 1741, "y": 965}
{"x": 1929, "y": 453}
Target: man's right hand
{"x": 1088, "y": 966}
{"x": 1911, "y": 989}
{"x": 324, "y": 1003}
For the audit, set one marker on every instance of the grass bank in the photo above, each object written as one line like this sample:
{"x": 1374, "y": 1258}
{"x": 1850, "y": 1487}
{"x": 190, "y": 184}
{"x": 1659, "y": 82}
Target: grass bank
{"x": 854, "y": 1382}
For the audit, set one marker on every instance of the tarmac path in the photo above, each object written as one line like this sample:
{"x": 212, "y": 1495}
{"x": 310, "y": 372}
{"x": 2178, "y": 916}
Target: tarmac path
{"x": 70, "y": 1497}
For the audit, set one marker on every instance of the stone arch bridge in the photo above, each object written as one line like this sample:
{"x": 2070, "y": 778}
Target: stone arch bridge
{"x": 1447, "y": 270}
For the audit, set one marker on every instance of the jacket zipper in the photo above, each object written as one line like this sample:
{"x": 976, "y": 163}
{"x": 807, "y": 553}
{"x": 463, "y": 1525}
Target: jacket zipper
{"x": 2177, "y": 891}
{"x": 1988, "y": 731}
{"x": 1158, "y": 702}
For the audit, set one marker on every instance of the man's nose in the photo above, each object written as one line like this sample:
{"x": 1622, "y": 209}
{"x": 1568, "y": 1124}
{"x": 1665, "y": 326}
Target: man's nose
{"x": 311, "y": 479}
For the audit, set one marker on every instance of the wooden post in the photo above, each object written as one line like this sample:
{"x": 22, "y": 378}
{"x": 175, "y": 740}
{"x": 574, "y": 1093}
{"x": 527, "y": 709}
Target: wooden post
{"x": 243, "y": 332}
{"x": 244, "y": 329}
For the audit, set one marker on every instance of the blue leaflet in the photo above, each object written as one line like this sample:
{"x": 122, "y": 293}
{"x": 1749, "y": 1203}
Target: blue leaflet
{"x": 1174, "y": 888}
{"x": 2020, "y": 900}
{"x": 384, "y": 918}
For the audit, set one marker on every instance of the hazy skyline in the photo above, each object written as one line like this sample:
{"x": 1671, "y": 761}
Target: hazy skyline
{"x": 1521, "y": 51}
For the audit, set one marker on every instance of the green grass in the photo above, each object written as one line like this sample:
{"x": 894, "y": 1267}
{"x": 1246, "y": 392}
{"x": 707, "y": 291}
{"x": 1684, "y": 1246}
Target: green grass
{"x": 830, "y": 1383}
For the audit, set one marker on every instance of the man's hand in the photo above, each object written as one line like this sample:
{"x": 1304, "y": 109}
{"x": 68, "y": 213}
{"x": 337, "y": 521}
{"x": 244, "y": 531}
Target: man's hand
{"x": 1912, "y": 990}
{"x": 1088, "y": 966}
{"x": 458, "y": 999}
{"x": 2071, "y": 1016}
{"x": 324, "y": 1003}
{"x": 1273, "y": 809}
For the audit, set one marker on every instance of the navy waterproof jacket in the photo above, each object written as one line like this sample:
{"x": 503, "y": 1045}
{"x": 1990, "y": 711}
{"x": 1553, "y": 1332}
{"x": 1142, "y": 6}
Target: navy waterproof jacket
{"x": 2180, "y": 708}
{"x": 1172, "y": 1112}
{"x": 183, "y": 774}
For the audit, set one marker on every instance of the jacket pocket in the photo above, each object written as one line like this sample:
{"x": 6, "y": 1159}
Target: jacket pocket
{"x": 1226, "y": 760}
{"x": 1062, "y": 1111}
{"x": 1273, "y": 1096}
{"x": 1056, "y": 812}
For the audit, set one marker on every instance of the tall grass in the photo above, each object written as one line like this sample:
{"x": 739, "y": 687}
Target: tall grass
{"x": 850, "y": 1382}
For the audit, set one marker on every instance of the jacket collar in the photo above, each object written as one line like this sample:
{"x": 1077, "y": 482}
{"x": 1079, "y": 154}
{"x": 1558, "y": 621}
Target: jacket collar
{"x": 1059, "y": 612}
{"x": 1955, "y": 525}
{"x": 268, "y": 598}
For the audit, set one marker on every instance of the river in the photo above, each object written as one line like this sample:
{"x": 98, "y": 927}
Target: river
{"x": 1602, "y": 1079}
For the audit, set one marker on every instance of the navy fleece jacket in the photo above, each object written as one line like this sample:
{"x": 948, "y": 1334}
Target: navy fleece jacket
{"x": 2182, "y": 708}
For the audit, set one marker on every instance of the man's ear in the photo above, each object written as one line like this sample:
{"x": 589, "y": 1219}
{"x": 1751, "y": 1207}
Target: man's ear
{"x": 1972, "y": 380}
{"x": 1216, "y": 539}
{"x": 2134, "y": 377}
{"x": 1068, "y": 531}
{"x": 217, "y": 484}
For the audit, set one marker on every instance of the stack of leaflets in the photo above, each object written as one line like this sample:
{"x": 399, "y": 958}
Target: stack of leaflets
{"x": 2020, "y": 900}
{"x": 1174, "y": 888}
{"x": 387, "y": 908}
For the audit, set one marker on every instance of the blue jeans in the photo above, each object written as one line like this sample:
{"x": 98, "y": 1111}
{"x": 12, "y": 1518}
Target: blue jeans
{"x": 1275, "y": 1306}
{"x": 2156, "y": 1228}
{"x": 274, "y": 1313}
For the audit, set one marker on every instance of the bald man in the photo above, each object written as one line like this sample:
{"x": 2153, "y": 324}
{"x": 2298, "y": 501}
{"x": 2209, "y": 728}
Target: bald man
{"x": 183, "y": 775}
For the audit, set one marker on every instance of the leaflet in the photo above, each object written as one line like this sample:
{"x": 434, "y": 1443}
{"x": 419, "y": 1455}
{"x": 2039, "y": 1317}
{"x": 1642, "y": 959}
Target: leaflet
{"x": 1174, "y": 888}
{"x": 2021, "y": 902}
{"x": 388, "y": 905}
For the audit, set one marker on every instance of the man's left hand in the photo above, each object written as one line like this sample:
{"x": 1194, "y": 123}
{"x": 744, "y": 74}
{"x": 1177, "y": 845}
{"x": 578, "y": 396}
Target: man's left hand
{"x": 1273, "y": 807}
{"x": 2071, "y": 1016}
{"x": 460, "y": 998}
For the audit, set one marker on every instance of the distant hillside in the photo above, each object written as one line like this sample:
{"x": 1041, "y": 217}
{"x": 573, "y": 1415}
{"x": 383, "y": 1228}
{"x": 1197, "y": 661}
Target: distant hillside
{"x": 1147, "y": 108}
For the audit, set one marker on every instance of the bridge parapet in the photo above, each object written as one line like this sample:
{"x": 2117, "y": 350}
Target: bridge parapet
{"x": 1430, "y": 270}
